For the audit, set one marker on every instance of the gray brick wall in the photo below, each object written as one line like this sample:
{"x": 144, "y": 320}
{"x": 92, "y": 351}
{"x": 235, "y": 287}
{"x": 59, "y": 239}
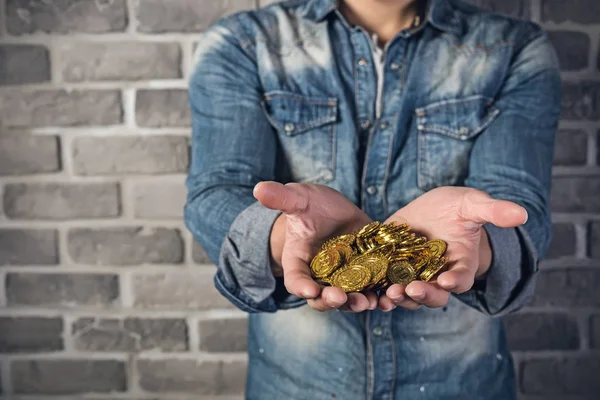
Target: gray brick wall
{"x": 103, "y": 292}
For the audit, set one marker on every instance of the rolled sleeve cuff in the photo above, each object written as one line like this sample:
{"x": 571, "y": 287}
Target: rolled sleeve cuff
{"x": 510, "y": 281}
{"x": 244, "y": 273}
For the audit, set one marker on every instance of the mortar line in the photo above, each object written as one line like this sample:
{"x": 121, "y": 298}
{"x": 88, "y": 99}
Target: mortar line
{"x": 132, "y": 20}
{"x": 536, "y": 11}
{"x": 593, "y": 156}
{"x": 581, "y": 239}
{"x": 5, "y": 372}
{"x": 3, "y": 299}
{"x": 193, "y": 333}
{"x": 126, "y": 289}
{"x": 129, "y": 104}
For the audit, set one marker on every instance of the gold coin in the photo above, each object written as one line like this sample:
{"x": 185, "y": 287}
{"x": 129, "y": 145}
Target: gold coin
{"x": 377, "y": 264}
{"x": 401, "y": 272}
{"x": 325, "y": 262}
{"x": 437, "y": 247}
{"x": 345, "y": 250}
{"x": 369, "y": 229}
{"x": 351, "y": 278}
{"x": 433, "y": 268}
{"x": 420, "y": 260}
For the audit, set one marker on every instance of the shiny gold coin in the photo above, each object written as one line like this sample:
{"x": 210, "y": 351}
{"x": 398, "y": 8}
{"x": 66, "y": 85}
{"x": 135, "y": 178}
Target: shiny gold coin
{"x": 369, "y": 229}
{"x": 345, "y": 250}
{"x": 351, "y": 278}
{"x": 433, "y": 268}
{"x": 437, "y": 247}
{"x": 420, "y": 260}
{"x": 401, "y": 272}
{"x": 325, "y": 262}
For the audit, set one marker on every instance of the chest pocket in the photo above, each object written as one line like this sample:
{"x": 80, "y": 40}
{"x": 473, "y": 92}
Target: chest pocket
{"x": 306, "y": 130}
{"x": 446, "y": 132}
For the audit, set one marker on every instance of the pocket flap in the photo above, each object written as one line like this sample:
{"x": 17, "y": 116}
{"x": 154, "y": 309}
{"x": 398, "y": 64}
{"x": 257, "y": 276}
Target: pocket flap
{"x": 294, "y": 114}
{"x": 460, "y": 119}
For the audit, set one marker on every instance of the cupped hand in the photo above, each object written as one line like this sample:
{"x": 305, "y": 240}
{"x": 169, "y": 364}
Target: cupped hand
{"x": 313, "y": 214}
{"x": 455, "y": 215}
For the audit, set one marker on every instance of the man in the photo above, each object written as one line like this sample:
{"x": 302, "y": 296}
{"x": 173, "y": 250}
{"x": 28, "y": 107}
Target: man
{"x": 437, "y": 114}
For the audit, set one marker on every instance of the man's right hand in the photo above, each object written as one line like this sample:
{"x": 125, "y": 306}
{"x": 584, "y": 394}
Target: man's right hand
{"x": 312, "y": 214}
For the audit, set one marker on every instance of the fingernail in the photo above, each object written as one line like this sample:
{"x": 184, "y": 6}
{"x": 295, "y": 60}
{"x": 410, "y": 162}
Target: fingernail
{"x": 393, "y": 307}
{"x": 526, "y": 217}
{"x": 335, "y": 301}
{"x": 307, "y": 294}
{"x": 397, "y": 299}
{"x": 418, "y": 296}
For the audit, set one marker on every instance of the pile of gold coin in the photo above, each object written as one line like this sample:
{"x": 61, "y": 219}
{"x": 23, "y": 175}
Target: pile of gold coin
{"x": 376, "y": 256}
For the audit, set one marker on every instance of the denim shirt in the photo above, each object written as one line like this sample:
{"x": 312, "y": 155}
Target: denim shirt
{"x": 289, "y": 93}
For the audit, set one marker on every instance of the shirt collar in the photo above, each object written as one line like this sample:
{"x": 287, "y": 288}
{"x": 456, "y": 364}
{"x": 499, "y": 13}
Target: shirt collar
{"x": 440, "y": 13}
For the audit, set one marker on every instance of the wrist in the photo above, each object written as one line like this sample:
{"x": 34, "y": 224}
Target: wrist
{"x": 485, "y": 256}
{"x": 276, "y": 242}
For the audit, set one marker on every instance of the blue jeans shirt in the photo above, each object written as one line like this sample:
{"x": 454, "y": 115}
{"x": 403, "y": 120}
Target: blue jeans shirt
{"x": 288, "y": 93}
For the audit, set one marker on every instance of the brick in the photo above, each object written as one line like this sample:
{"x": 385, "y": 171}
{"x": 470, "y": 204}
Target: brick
{"x": 158, "y": 199}
{"x": 575, "y": 287}
{"x": 130, "y": 334}
{"x": 594, "y": 240}
{"x": 192, "y": 376}
{"x": 581, "y": 100}
{"x": 223, "y": 335}
{"x": 119, "y": 61}
{"x": 570, "y": 147}
{"x": 515, "y": 8}
{"x": 199, "y": 254}
{"x": 24, "y": 64}
{"x": 28, "y": 247}
{"x": 563, "y": 376}
{"x": 177, "y": 290}
{"x": 20, "y": 155}
{"x": 30, "y": 334}
{"x": 70, "y": 290}
{"x": 563, "y": 241}
{"x": 59, "y": 201}
{"x": 23, "y": 108}
{"x": 541, "y": 331}
{"x": 125, "y": 246}
{"x": 63, "y": 16}
{"x": 156, "y": 16}
{"x": 580, "y": 11}
{"x": 595, "y": 331}
{"x": 572, "y": 48}
{"x": 55, "y": 377}
{"x": 575, "y": 194}
{"x": 130, "y": 155}
{"x": 157, "y": 108}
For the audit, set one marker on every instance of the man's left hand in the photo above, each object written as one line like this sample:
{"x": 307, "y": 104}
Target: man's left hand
{"x": 455, "y": 215}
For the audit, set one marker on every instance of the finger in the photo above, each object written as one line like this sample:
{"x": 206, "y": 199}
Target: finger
{"x": 479, "y": 207}
{"x": 385, "y": 304}
{"x": 290, "y": 198}
{"x": 329, "y": 299}
{"x": 357, "y": 302}
{"x": 373, "y": 300}
{"x": 397, "y": 295}
{"x": 428, "y": 294}
{"x": 458, "y": 279}
{"x": 297, "y": 278}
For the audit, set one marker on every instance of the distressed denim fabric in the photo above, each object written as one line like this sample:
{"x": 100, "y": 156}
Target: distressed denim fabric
{"x": 289, "y": 93}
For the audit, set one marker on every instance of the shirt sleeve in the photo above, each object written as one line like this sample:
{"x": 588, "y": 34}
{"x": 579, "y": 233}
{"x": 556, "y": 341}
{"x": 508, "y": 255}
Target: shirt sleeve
{"x": 233, "y": 148}
{"x": 512, "y": 160}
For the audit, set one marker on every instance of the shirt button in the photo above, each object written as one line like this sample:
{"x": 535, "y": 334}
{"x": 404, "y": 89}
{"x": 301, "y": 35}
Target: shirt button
{"x": 384, "y": 125}
{"x": 365, "y": 124}
{"x": 394, "y": 66}
{"x": 362, "y": 62}
{"x": 377, "y": 331}
{"x": 289, "y": 127}
{"x": 371, "y": 190}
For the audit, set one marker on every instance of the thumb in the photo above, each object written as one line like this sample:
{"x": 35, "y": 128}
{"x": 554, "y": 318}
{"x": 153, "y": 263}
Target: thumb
{"x": 481, "y": 208}
{"x": 289, "y": 199}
